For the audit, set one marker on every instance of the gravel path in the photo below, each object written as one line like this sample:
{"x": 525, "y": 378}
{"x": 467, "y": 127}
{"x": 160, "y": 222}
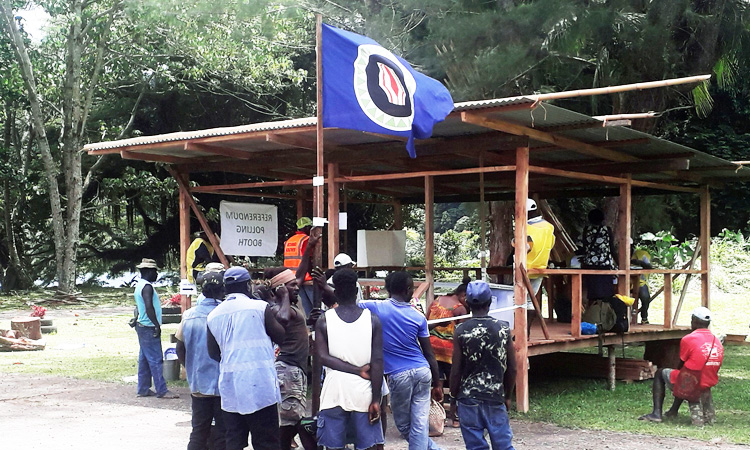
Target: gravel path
{"x": 56, "y": 413}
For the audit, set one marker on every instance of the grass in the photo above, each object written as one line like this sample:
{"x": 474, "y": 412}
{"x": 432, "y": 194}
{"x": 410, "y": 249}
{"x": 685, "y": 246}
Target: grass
{"x": 584, "y": 403}
{"x": 98, "y": 348}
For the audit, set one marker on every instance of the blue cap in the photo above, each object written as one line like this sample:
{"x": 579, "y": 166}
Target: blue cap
{"x": 478, "y": 293}
{"x": 236, "y": 275}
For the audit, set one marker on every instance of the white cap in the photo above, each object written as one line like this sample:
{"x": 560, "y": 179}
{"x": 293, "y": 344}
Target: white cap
{"x": 342, "y": 259}
{"x": 631, "y": 240}
{"x": 702, "y": 313}
{"x": 530, "y": 205}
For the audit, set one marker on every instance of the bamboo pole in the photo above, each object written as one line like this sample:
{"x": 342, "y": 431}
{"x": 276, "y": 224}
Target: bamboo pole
{"x": 534, "y": 300}
{"x": 698, "y": 251}
{"x": 429, "y": 238}
{"x": 482, "y": 220}
{"x": 705, "y": 238}
{"x": 619, "y": 88}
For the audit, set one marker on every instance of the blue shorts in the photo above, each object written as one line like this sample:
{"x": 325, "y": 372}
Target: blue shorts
{"x": 332, "y": 426}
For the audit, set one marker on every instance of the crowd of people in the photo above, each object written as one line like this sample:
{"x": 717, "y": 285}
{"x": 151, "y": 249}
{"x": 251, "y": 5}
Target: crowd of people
{"x": 246, "y": 350}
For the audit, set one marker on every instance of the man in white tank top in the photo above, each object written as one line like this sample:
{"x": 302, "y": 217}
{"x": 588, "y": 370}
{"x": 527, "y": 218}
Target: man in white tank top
{"x": 349, "y": 343}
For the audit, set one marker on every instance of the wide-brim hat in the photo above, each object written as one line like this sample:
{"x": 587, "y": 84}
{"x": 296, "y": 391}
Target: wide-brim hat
{"x": 147, "y": 263}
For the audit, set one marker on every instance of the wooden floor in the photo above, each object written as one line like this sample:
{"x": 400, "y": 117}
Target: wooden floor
{"x": 561, "y": 340}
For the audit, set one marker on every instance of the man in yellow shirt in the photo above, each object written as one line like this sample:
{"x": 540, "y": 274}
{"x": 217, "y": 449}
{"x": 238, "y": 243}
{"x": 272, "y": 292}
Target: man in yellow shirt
{"x": 540, "y": 240}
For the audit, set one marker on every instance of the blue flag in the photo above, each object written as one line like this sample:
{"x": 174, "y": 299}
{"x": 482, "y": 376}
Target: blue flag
{"x": 368, "y": 88}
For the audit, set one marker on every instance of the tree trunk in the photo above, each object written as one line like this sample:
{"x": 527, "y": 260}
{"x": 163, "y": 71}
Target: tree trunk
{"x": 501, "y": 232}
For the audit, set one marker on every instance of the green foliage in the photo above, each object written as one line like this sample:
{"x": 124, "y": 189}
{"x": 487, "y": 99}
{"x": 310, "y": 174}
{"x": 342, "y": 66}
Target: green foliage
{"x": 666, "y": 250}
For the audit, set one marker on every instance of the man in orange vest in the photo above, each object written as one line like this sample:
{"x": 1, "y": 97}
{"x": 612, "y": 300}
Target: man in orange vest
{"x": 294, "y": 248}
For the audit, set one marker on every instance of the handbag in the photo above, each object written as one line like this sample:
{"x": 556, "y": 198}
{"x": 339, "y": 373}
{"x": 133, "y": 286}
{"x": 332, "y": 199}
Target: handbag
{"x": 688, "y": 383}
{"x": 437, "y": 418}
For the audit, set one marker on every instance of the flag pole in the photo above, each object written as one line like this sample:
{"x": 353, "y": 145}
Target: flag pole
{"x": 318, "y": 208}
{"x": 318, "y": 192}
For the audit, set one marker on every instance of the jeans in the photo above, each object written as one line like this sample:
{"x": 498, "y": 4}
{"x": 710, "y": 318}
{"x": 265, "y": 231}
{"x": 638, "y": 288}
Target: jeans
{"x": 477, "y": 416}
{"x": 150, "y": 362}
{"x": 410, "y": 403}
{"x": 206, "y": 410}
{"x": 263, "y": 426}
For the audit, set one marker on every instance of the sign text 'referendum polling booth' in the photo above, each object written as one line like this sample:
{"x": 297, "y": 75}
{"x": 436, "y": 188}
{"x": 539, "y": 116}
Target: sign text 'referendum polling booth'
{"x": 249, "y": 229}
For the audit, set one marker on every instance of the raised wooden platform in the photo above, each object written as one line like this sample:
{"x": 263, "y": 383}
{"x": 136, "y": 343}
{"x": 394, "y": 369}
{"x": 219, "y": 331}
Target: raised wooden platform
{"x": 561, "y": 340}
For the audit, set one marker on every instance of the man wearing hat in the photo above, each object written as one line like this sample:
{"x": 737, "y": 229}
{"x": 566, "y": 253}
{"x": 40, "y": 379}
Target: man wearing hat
{"x": 294, "y": 251}
{"x": 148, "y": 328}
{"x": 241, "y": 332}
{"x": 700, "y": 352}
{"x": 483, "y": 373}
{"x": 202, "y": 371}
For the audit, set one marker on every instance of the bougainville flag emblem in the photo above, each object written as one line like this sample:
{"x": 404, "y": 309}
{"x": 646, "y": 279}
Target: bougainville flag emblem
{"x": 368, "y": 88}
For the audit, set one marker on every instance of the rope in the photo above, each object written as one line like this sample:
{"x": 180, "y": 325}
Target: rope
{"x": 468, "y": 316}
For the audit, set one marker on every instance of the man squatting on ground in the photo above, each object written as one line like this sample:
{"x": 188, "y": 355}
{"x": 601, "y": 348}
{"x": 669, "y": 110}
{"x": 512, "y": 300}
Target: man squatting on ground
{"x": 240, "y": 331}
{"x": 349, "y": 343}
{"x": 148, "y": 328}
{"x": 408, "y": 360}
{"x": 294, "y": 349}
{"x": 202, "y": 371}
{"x": 483, "y": 373}
{"x": 699, "y": 351}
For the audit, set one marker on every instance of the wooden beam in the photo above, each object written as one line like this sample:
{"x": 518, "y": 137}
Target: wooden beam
{"x": 184, "y": 234}
{"x": 623, "y": 237}
{"x": 333, "y": 213}
{"x": 427, "y": 173}
{"x": 152, "y": 157}
{"x": 603, "y": 144}
{"x": 217, "y": 150}
{"x": 519, "y": 290}
{"x": 258, "y": 184}
{"x": 650, "y": 166}
{"x": 667, "y": 301}
{"x": 254, "y": 194}
{"x": 182, "y": 182}
{"x": 705, "y": 239}
{"x": 542, "y": 136}
{"x": 534, "y": 300}
{"x": 609, "y": 179}
{"x": 429, "y": 237}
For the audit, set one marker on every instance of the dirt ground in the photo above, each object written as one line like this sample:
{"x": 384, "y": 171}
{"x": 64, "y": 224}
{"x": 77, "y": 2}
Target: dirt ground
{"x": 55, "y": 413}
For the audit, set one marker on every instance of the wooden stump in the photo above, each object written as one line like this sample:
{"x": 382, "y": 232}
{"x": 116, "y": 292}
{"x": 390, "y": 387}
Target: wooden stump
{"x": 29, "y": 327}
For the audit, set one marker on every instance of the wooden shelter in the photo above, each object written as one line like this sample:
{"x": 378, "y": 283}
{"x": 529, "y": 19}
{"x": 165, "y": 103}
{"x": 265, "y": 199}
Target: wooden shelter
{"x": 508, "y": 148}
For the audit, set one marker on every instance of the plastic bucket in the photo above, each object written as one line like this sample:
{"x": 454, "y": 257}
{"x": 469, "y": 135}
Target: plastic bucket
{"x": 171, "y": 369}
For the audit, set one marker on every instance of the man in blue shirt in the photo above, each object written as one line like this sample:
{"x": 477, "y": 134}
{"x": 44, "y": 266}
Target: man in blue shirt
{"x": 240, "y": 331}
{"x": 409, "y": 361}
{"x": 148, "y": 328}
{"x": 202, "y": 371}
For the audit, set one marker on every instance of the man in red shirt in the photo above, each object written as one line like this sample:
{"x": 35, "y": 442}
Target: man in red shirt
{"x": 699, "y": 351}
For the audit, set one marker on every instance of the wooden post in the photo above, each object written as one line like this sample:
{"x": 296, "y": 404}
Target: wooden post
{"x": 623, "y": 237}
{"x": 300, "y": 204}
{"x": 333, "y": 213}
{"x": 429, "y": 237}
{"x": 185, "y": 301}
{"x": 576, "y": 305}
{"x": 667, "y": 301}
{"x": 398, "y": 216}
{"x": 519, "y": 289}
{"x": 612, "y": 367}
{"x": 705, "y": 241}
{"x": 482, "y": 221}
{"x": 318, "y": 191}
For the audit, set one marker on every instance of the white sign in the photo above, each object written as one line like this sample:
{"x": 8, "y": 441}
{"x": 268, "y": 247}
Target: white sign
{"x": 249, "y": 229}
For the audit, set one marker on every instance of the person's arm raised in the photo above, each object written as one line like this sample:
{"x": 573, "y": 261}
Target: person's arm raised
{"x": 305, "y": 265}
{"x": 274, "y": 329}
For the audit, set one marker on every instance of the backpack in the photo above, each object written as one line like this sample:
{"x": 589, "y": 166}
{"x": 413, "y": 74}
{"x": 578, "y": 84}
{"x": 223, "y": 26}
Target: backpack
{"x": 622, "y": 324}
{"x": 601, "y": 314}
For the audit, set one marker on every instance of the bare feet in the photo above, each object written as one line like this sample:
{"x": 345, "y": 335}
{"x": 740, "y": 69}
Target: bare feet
{"x": 651, "y": 418}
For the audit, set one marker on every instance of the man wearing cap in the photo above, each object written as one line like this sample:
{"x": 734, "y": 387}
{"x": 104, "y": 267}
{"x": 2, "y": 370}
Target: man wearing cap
{"x": 483, "y": 373}
{"x": 148, "y": 328}
{"x": 294, "y": 251}
{"x": 341, "y": 261}
{"x": 702, "y": 352}
{"x": 240, "y": 334}
{"x": 202, "y": 371}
